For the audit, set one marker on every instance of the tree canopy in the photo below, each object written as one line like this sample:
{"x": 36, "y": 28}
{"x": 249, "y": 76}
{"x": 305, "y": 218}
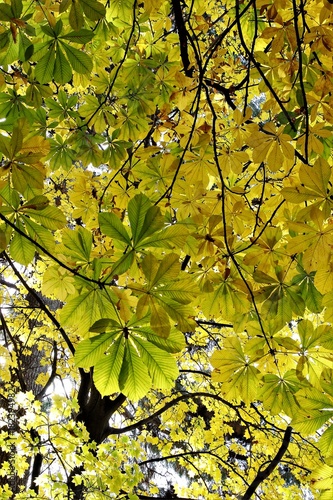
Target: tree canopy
{"x": 166, "y": 245}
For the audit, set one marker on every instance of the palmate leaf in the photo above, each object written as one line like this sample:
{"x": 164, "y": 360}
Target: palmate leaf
{"x": 147, "y": 227}
{"x": 236, "y": 371}
{"x": 161, "y": 277}
{"x": 122, "y": 354}
{"x": 58, "y": 283}
{"x": 305, "y": 284}
{"x": 277, "y": 393}
{"x": 314, "y": 182}
{"x": 158, "y": 272}
{"x": 227, "y": 298}
{"x": 182, "y": 314}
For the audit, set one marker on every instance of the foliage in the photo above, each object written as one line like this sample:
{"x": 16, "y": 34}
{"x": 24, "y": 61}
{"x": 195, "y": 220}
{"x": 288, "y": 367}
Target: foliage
{"x": 166, "y": 249}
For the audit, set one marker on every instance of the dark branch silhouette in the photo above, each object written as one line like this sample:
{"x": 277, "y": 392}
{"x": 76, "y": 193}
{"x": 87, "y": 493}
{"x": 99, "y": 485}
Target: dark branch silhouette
{"x": 263, "y": 474}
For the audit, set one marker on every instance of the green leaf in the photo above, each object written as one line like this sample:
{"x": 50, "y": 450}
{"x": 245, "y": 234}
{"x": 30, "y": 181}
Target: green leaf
{"x": 16, "y": 142}
{"x": 112, "y": 226}
{"x": 325, "y": 443}
{"x": 103, "y": 325}
{"x": 21, "y": 249}
{"x": 6, "y": 13}
{"x": 45, "y": 67}
{"x": 137, "y": 209}
{"x": 58, "y": 27}
{"x": 326, "y": 379}
{"x": 77, "y": 243}
{"x": 17, "y": 8}
{"x": 76, "y": 19}
{"x": 107, "y": 370}
{"x": 24, "y": 176}
{"x": 134, "y": 380}
{"x": 314, "y": 410}
{"x": 28, "y": 53}
{"x": 123, "y": 264}
{"x": 313, "y": 298}
{"x": 49, "y": 217}
{"x": 83, "y": 311}
{"x": 168, "y": 269}
{"x": 5, "y": 146}
{"x": 181, "y": 314}
{"x": 169, "y": 237}
{"x": 39, "y": 234}
{"x": 62, "y": 70}
{"x": 80, "y": 62}
{"x": 322, "y": 479}
{"x": 48, "y": 30}
{"x": 277, "y": 392}
{"x": 181, "y": 291}
{"x": 81, "y": 36}
{"x": 93, "y": 10}
{"x": 175, "y": 342}
{"x": 10, "y": 196}
{"x": 309, "y": 336}
{"x": 239, "y": 375}
{"x": 36, "y": 203}
{"x": 162, "y": 367}
{"x": 159, "y": 320}
{"x": 153, "y": 222}
{"x": 4, "y": 39}
{"x": 89, "y": 351}
{"x": 64, "y": 5}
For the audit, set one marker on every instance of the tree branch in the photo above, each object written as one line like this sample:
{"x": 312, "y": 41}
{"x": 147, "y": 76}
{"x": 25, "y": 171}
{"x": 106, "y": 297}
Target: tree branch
{"x": 41, "y": 303}
{"x": 262, "y": 475}
{"x": 42, "y": 392}
{"x": 46, "y": 252}
{"x": 168, "y": 405}
{"x": 37, "y": 464}
{"x": 182, "y": 34}
{"x": 213, "y": 324}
